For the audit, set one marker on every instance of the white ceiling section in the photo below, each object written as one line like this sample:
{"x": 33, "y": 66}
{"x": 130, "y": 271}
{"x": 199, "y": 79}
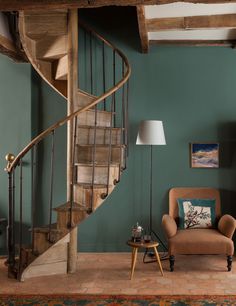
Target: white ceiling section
{"x": 183, "y": 9}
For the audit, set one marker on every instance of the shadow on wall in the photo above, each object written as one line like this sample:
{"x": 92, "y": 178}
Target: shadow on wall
{"x": 3, "y": 234}
{"x": 227, "y": 137}
{"x": 120, "y": 19}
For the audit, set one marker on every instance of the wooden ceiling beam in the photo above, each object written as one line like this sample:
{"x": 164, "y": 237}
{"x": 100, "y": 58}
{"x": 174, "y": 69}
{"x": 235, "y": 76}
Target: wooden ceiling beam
{"x": 193, "y": 22}
{"x": 7, "y": 48}
{"x": 142, "y": 28}
{"x": 16, "y": 5}
{"x": 195, "y": 43}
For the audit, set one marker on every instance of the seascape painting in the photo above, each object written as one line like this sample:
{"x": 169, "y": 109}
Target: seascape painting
{"x": 204, "y": 155}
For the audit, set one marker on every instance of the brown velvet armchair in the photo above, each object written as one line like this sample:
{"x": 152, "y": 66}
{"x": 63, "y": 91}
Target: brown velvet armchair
{"x": 199, "y": 240}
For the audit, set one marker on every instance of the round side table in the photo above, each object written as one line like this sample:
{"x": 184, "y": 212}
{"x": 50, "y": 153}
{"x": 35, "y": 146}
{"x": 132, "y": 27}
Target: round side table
{"x": 147, "y": 245}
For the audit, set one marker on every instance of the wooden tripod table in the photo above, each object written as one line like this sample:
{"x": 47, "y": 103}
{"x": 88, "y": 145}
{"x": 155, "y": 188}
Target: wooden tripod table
{"x": 146, "y": 245}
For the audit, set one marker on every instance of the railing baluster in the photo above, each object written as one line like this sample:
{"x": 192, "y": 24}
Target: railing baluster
{"x": 122, "y": 166}
{"x": 10, "y": 226}
{"x": 91, "y": 62}
{"x": 73, "y": 173}
{"x": 51, "y": 184}
{"x": 126, "y": 120}
{"x": 33, "y": 194}
{"x": 114, "y": 83}
{"x": 104, "y": 73}
{"x": 110, "y": 146}
{"x": 21, "y": 220}
{"x": 90, "y": 210}
{"x": 13, "y": 208}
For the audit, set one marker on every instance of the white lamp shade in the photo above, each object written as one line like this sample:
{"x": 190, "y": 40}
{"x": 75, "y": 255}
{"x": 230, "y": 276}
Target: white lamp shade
{"x": 151, "y": 132}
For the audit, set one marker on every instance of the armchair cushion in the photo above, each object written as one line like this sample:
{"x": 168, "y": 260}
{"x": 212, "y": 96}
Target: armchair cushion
{"x": 196, "y": 213}
{"x": 169, "y": 226}
{"x": 200, "y": 241}
{"x": 227, "y": 225}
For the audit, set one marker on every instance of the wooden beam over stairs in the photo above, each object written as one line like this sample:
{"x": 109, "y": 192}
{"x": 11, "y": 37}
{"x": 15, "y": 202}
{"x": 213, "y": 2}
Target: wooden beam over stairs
{"x": 72, "y": 99}
{"x": 15, "y": 5}
{"x": 191, "y": 22}
{"x": 142, "y": 28}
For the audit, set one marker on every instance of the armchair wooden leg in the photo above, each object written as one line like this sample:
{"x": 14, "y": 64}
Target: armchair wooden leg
{"x": 172, "y": 262}
{"x": 229, "y": 262}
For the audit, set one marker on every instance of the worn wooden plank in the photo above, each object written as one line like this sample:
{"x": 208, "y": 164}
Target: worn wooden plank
{"x": 72, "y": 87}
{"x": 51, "y": 47}
{"x": 62, "y": 68}
{"x": 41, "y": 23}
{"x": 196, "y": 43}
{"x": 7, "y": 48}
{"x": 11, "y": 5}
{"x": 84, "y": 173}
{"x": 142, "y": 28}
{"x": 193, "y": 22}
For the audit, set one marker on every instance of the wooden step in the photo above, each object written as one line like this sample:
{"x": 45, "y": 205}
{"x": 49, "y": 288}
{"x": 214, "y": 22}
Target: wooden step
{"x": 103, "y": 135}
{"x": 61, "y": 68}
{"x": 38, "y": 24}
{"x": 79, "y": 213}
{"x": 88, "y": 118}
{"x": 44, "y": 238}
{"x": 51, "y": 47}
{"x": 83, "y": 193}
{"x": 83, "y": 99}
{"x": 84, "y": 154}
{"x": 27, "y": 256}
{"x": 84, "y": 173}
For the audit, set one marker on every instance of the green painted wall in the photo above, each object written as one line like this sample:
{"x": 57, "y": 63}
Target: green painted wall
{"x": 15, "y": 124}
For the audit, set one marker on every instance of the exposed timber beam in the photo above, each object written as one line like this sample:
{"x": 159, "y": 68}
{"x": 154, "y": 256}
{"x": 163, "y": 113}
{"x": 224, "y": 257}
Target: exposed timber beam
{"x": 195, "y": 43}
{"x": 16, "y": 5}
{"x": 7, "y": 48}
{"x": 193, "y": 22}
{"x": 142, "y": 28}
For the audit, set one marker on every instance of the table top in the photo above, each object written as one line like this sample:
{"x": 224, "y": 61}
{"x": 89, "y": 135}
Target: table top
{"x": 143, "y": 244}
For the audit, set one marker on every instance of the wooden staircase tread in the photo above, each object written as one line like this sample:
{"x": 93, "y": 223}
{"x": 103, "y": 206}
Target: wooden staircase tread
{"x": 99, "y": 111}
{"x": 75, "y": 207}
{"x": 97, "y": 164}
{"x": 26, "y": 247}
{"x": 89, "y": 186}
{"x": 102, "y": 145}
{"x": 45, "y": 229}
{"x": 84, "y": 93}
{"x": 99, "y": 127}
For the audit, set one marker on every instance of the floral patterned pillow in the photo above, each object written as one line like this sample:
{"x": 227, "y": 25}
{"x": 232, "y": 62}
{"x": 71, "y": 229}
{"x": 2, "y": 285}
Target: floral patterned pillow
{"x": 196, "y": 213}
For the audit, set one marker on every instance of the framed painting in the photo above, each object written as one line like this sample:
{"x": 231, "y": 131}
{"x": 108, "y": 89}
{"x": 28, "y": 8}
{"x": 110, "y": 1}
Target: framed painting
{"x": 204, "y": 155}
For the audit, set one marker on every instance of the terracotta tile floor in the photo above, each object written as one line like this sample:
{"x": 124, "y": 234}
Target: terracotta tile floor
{"x": 108, "y": 273}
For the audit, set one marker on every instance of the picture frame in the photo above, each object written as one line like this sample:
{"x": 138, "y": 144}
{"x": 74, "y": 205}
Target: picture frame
{"x": 204, "y": 154}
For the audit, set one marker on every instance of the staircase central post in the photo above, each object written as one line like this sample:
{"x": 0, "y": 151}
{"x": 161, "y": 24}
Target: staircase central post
{"x": 72, "y": 96}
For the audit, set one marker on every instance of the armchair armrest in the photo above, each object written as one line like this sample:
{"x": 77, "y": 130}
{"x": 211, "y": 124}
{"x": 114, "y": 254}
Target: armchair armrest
{"x": 227, "y": 225}
{"x": 169, "y": 225}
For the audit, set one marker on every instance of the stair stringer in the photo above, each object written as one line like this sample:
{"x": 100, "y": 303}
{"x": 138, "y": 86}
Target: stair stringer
{"x": 85, "y": 104}
{"x": 52, "y": 261}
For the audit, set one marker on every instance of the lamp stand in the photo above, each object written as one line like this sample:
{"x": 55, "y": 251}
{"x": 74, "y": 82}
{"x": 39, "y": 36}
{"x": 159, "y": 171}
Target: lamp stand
{"x": 151, "y": 231}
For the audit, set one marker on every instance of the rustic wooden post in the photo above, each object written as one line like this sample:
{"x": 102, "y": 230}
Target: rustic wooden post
{"x": 72, "y": 95}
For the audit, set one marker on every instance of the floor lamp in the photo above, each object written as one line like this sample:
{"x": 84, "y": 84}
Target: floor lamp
{"x": 151, "y": 133}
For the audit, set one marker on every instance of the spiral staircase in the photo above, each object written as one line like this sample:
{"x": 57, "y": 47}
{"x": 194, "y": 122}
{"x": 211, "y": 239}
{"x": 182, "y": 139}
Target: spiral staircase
{"x": 97, "y": 140}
